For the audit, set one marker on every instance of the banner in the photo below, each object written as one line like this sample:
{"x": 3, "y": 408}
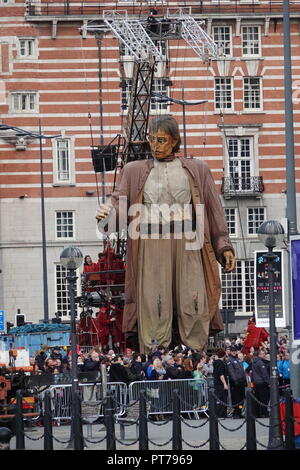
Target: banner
{"x": 295, "y": 285}
{"x": 261, "y": 289}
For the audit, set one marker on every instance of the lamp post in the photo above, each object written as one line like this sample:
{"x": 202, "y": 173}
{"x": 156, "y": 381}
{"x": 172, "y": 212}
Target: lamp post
{"x": 33, "y": 135}
{"x": 71, "y": 258}
{"x": 271, "y": 233}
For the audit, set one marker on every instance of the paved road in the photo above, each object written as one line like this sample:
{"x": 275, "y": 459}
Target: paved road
{"x": 193, "y": 436}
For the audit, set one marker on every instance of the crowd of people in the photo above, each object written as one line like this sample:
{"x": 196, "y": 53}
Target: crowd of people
{"x": 229, "y": 370}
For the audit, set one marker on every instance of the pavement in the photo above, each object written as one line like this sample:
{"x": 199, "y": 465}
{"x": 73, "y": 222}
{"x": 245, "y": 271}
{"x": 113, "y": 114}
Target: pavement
{"x": 195, "y": 433}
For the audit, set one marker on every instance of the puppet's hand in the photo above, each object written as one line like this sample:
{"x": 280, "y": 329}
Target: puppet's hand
{"x": 229, "y": 261}
{"x": 103, "y": 211}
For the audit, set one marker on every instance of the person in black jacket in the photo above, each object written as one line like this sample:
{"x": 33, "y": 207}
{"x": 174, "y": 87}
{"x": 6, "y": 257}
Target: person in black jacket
{"x": 237, "y": 381}
{"x": 92, "y": 362}
{"x": 261, "y": 381}
{"x": 220, "y": 374}
{"x": 118, "y": 372}
{"x": 136, "y": 365}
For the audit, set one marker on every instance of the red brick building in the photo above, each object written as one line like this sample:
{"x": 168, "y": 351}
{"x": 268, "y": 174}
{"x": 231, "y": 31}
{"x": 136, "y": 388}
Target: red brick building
{"x": 55, "y": 75}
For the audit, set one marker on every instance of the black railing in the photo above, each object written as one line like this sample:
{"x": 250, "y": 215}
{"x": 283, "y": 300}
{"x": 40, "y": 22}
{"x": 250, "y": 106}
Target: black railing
{"x": 80, "y": 8}
{"x": 242, "y": 186}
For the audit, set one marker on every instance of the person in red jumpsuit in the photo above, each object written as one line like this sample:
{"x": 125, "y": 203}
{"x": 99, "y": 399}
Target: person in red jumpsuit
{"x": 89, "y": 266}
{"x": 103, "y": 324}
{"x": 255, "y": 336}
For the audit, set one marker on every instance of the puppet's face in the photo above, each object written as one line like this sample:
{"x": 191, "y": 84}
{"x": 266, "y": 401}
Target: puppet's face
{"x": 161, "y": 144}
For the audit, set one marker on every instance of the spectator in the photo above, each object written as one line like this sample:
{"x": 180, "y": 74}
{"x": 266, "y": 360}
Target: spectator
{"x": 237, "y": 381}
{"x": 187, "y": 369}
{"x": 136, "y": 365}
{"x": 131, "y": 377}
{"x": 178, "y": 361}
{"x": 42, "y": 356}
{"x": 261, "y": 380}
{"x": 220, "y": 374}
{"x": 284, "y": 366}
{"x": 118, "y": 372}
{"x": 92, "y": 362}
{"x": 158, "y": 371}
{"x": 148, "y": 366}
{"x": 208, "y": 367}
{"x": 171, "y": 371}
{"x": 56, "y": 353}
{"x": 198, "y": 372}
{"x": 49, "y": 367}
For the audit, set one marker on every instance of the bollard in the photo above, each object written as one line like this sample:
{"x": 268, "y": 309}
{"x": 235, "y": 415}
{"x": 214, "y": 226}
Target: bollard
{"x": 78, "y": 433}
{"x": 250, "y": 422}
{"x": 5, "y": 437}
{"x": 214, "y": 443}
{"x": 177, "y": 436}
{"x": 48, "y": 435}
{"x": 109, "y": 423}
{"x": 289, "y": 421}
{"x": 143, "y": 424}
{"x": 20, "y": 437}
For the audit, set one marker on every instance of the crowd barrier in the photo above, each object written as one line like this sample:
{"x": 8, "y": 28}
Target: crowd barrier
{"x": 91, "y": 394}
{"x": 193, "y": 395}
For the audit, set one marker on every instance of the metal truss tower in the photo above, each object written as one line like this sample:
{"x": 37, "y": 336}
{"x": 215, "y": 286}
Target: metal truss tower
{"x": 140, "y": 38}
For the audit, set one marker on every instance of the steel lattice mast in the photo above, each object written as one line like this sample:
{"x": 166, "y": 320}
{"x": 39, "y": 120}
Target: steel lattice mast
{"x": 140, "y": 40}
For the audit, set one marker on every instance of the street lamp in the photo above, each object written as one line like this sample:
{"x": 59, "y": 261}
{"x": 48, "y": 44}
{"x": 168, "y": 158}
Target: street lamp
{"x": 21, "y": 133}
{"x": 71, "y": 258}
{"x": 271, "y": 233}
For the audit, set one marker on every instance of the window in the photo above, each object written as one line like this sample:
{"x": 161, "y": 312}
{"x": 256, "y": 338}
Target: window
{"x": 256, "y": 216}
{"x": 222, "y": 37}
{"x": 126, "y": 86}
{"x": 159, "y": 86}
{"x": 230, "y": 214}
{"x": 223, "y": 93}
{"x": 251, "y": 40}
{"x": 252, "y": 93}
{"x": 237, "y": 288}
{"x": 63, "y": 160}
{"x": 26, "y": 47}
{"x": 24, "y": 101}
{"x": 240, "y": 154}
{"x": 65, "y": 224}
{"x": 62, "y": 295}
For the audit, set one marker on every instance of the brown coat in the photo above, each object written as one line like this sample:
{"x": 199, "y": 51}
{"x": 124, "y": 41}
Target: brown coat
{"x": 216, "y": 239}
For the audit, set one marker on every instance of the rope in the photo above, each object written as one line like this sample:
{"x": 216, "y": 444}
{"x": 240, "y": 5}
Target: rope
{"x": 262, "y": 445}
{"x": 270, "y": 425}
{"x": 226, "y": 404}
{"x": 160, "y": 445}
{"x": 34, "y": 438}
{"x": 196, "y": 446}
{"x": 232, "y": 430}
{"x": 95, "y": 442}
{"x": 62, "y": 442}
{"x": 223, "y": 448}
{"x": 259, "y": 402}
{"x": 192, "y": 426}
{"x": 125, "y": 443}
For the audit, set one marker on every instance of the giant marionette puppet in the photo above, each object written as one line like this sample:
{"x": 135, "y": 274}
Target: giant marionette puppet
{"x": 177, "y": 234}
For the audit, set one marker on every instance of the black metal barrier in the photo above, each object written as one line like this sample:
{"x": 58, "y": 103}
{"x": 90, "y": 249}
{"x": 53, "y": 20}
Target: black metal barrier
{"x": 176, "y": 418}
